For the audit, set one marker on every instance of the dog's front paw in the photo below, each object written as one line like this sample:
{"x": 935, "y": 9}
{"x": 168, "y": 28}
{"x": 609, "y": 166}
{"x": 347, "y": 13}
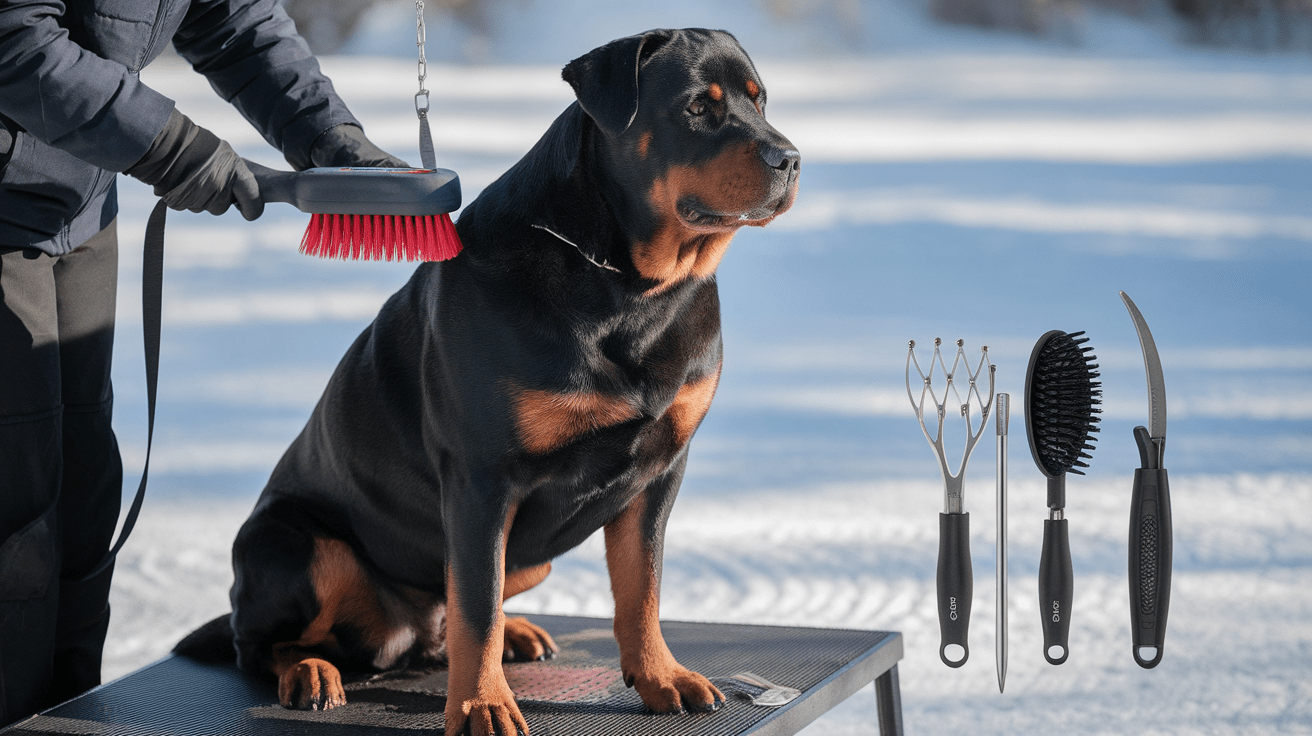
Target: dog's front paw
{"x": 526, "y": 640}
{"x": 495, "y": 714}
{"x": 673, "y": 688}
{"x": 311, "y": 684}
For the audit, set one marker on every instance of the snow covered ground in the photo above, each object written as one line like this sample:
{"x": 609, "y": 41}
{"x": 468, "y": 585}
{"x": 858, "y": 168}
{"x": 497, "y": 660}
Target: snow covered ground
{"x": 955, "y": 186}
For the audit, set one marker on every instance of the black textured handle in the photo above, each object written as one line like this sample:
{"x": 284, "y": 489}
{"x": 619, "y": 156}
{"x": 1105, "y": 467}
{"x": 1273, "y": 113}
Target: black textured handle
{"x": 275, "y": 185}
{"x": 1056, "y": 589}
{"x": 1150, "y": 564}
{"x": 955, "y": 587}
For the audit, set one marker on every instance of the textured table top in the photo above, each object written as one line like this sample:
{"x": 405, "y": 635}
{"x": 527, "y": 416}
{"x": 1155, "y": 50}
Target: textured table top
{"x": 580, "y": 692}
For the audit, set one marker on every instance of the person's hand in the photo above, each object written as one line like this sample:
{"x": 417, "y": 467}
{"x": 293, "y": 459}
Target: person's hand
{"x": 193, "y": 169}
{"x": 346, "y": 145}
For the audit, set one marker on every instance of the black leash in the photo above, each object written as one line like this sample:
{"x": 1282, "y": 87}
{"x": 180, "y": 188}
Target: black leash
{"x": 152, "y": 281}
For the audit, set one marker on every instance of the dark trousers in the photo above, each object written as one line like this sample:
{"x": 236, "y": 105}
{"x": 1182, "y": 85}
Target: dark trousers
{"x": 60, "y": 472}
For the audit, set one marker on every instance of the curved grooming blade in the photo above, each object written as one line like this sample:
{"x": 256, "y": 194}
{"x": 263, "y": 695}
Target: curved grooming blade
{"x": 1150, "y": 540}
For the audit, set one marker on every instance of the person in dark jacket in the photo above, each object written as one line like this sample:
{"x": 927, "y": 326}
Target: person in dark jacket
{"x": 73, "y": 113}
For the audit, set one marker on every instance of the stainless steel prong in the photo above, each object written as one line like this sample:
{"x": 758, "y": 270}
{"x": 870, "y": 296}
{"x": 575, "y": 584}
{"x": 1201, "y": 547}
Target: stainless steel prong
{"x": 973, "y": 401}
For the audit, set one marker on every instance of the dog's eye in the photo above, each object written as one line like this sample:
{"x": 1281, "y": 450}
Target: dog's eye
{"x": 697, "y": 108}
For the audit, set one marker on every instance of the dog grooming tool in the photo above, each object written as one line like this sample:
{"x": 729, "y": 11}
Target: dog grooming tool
{"x": 376, "y": 213}
{"x": 955, "y": 582}
{"x": 370, "y": 213}
{"x": 1150, "y": 513}
{"x": 1061, "y": 400}
{"x": 1000, "y": 621}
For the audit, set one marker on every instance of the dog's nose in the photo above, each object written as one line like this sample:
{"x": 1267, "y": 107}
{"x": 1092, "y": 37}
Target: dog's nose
{"x": 781, "y": 158}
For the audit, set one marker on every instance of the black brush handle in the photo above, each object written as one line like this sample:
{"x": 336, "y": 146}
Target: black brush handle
{"x": 1056, "y": 589}
{"x": 955, "y": 585}
{"x": 275, "y": 185}
{"x": 361, "y": 190}
{"x": 1150, "y": 553}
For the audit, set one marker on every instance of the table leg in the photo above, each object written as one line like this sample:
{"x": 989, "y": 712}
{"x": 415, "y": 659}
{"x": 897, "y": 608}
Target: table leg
{"x": 888, "y": 696}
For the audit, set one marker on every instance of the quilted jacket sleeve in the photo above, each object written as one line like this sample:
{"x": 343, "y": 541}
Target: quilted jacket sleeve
{"x": 68, "y": 97}
{"x": 254, "y": 58}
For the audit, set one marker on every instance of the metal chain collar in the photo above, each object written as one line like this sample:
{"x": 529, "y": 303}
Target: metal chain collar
{"x": 421, "y": 107}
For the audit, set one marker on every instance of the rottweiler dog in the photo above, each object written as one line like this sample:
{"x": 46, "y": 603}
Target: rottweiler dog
{"x": 506, "y": 404}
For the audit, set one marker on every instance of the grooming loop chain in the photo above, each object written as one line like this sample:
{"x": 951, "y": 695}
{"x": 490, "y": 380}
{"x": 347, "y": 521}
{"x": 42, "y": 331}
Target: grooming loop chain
{"x": 974, "y": 408}
{"x": 421, "y": 35}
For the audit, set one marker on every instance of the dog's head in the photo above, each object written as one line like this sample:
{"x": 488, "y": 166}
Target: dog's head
{"x": 682, "y": 128}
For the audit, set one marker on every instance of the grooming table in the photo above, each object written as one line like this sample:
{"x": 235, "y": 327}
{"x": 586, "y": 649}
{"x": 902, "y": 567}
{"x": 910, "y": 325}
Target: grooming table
{"x": 578, "y": 693}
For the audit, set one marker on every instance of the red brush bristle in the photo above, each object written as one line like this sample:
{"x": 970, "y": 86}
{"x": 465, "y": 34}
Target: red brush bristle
{"x": 445, "y": 243}
{"x": 389, "y": 237}
{"x": 310, "y": 242}
{"x": 382, "y": 237}
{"x": 424, "y": 229}
{"x": 403, "y": 249}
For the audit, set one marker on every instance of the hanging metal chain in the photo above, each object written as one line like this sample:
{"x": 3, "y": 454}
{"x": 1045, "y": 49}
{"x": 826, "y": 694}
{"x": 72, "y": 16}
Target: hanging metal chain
{"x": 427, "y": 155}
{"x": 421, "y": 32}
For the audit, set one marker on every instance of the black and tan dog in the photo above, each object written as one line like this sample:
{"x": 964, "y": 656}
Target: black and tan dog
{"x": 507, "y": 404}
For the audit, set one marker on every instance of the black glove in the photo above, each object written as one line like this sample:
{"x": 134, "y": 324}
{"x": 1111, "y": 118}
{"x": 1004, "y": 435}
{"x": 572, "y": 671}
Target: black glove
{"x": 193, "y": 169}
{"x": 346, "y": 145}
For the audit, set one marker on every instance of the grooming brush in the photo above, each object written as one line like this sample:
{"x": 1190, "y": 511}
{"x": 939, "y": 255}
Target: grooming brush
{"x": 370, "y": 213}
{"x": 1061, "y": 400}
{"x": 955, "y": 582}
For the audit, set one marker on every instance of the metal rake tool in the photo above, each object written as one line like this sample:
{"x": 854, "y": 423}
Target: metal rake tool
{"x": 955, "y": 583}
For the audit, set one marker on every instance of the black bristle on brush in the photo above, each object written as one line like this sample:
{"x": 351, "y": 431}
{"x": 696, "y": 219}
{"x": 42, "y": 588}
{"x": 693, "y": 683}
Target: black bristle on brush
{"x": 1061, "y": 408}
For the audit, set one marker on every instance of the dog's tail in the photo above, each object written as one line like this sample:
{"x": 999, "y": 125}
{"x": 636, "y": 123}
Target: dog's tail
{"x": 212, "y": 642}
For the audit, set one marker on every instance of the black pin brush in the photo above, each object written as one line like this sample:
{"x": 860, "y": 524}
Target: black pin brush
{"x": 1061, "y": 404}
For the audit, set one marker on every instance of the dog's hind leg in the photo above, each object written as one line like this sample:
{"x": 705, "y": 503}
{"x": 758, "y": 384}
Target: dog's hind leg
{"x": 634, "y": 546}
{"x": 524, "y": 639}
{"x": 294, "y": 594}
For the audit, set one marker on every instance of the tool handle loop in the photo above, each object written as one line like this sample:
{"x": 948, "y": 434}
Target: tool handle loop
{"x": 1056, "y": 590}
{"x": 1150, "y": 564}
{"x": 955, "y": 587}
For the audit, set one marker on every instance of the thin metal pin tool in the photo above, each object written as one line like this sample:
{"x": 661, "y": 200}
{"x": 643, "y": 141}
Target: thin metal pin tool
{"x": 1004, "y": 406}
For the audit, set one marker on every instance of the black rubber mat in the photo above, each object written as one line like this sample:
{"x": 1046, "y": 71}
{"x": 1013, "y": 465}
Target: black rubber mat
{"x": 579, "y": 693}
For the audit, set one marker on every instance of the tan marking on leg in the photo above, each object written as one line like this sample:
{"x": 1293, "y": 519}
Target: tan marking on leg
{"x": 524, "y": 639}
{"x": 345, "y": 595}
{"x": 690, "y": 406}
{"x": 477, "y": 693}
{"x": 523, "y": 579}
{"x": 645, "y": 661}
{"x": 547, "y": 421}
{"x": 477, "y": 696}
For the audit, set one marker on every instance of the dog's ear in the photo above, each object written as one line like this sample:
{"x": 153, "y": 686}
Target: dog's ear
{"x": 605, "y": 80}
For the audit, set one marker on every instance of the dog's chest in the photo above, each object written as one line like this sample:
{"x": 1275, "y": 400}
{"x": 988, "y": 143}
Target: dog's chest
{"x": 548, "y": 421}
{"x": 586, "y": 454}
{"x": 641, "y": 375}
